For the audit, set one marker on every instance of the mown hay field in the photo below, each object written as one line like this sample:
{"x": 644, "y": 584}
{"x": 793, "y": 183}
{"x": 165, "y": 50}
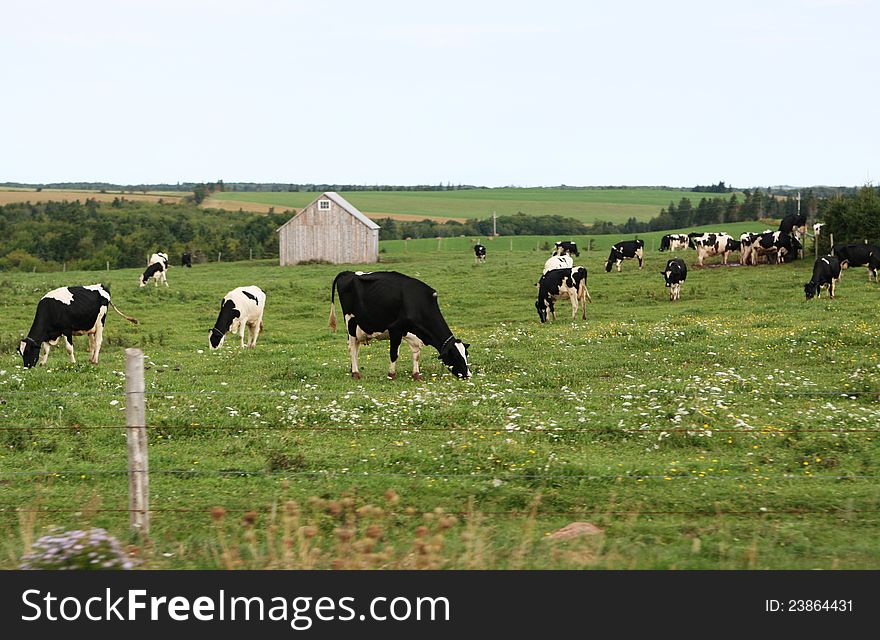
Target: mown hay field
{"x": 734, "y": 429}
{"x": 587, "y": 205}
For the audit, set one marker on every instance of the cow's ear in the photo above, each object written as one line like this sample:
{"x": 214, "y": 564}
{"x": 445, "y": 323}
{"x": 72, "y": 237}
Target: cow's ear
{"x": 466, "y": 345}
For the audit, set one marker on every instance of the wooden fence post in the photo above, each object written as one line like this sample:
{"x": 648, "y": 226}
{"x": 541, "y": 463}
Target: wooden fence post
{"x": 136, "y": 436}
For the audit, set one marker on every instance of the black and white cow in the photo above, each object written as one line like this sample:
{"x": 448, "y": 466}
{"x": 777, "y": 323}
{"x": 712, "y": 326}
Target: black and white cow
{"x": 242, "y": 308}
{"x": 857, "y": 255}
{"x": 66, "y": 312}
{"x": 566, "y": 248}
{"x": 186, "y": 260}
{"x": 479, "y": 253}
{"x": 387, "y": 305}
{"x": 559, "y": 283}
{"x": 625, "y": 250}
{"x": 777, "y": 244}
{"x": 674, "y": 241}
{"x": 156, "y": 269}
{"x": 675, "y": 273}
{"x": 712, "y": 244}
{"x": 794, "y": 223}
{"x": 826, "y": 273}
{"x": 557, "y": 262}
{"x": 747, "y": 242}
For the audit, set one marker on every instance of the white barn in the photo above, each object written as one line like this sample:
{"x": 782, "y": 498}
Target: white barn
{"x": 331, "y": 229}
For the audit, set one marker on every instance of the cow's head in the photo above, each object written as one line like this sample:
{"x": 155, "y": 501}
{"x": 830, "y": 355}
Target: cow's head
{"x": 667, "y": 273}
{"x": 613, "y": 257}
{"x": 30, "y": 352}
{"x": 215, "y": 338}
{"x": 811, "y": 289}
{"x": 543, "y": 305}
{"x": 454, "y": 355}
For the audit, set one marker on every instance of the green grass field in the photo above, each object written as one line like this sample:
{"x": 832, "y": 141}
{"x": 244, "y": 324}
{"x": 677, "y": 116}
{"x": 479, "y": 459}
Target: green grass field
{"x": 588, "y": 205}
{"x": 734, "y": 429}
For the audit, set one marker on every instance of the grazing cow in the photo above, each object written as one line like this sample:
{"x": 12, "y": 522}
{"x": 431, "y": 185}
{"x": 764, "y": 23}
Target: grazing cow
{"x": 777, "y": 244}
{"x": 566, "y": 248}
{"x": 857, "y": 255}
{"x": 673, "y": 241}
{"x": 826, "y": 273}
{"x": 675, "y": 273}
{"x": 386, "y": 305}
{"x": 156, "y": 269}
{"x": 625, "y": 250}
{"x": 186, "y": 259}
{"x": 712, "y": 244}
{"x": 240, "y": 308}
{"x": 558, "y": 262}
{"x": 560, "y": 283}
{"x": 479, "y": 253}
{"x": 747, "y": 241}
{"x": 66, "y": 312}
{"x": 794, "y": 222}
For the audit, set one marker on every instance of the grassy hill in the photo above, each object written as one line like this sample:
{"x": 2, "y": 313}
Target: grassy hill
{"x": 615, "y": 205}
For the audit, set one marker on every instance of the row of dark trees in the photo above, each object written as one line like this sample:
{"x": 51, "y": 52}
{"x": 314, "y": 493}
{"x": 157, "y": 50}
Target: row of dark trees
{"x": 852, "y": 218}
{"x": 53, "y": 235}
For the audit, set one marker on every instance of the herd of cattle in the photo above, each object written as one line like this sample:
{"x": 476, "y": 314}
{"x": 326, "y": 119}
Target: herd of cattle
{"x": 392, "y": 306}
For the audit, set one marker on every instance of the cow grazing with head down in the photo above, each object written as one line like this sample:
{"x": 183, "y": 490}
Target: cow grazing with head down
{"x": 747, "y": 242}
{"x": 675, "y": 273}
{"x": 186, "y": 260}
{"x": 479, "y": 253}
{"x": 557, "y": 262}
{"x": 857, "y": 255}
{"x": 560, "y": 283}
{"x": 674, "y": 241}
{"x": 566, "y": 248}
{"x": 66, "y": 312}
{"x": 777, "y": 244}
{"x": 625, "y": 250}
{"x": 156, "y": 269}
{"x": 712, "y": 244}
{"x": 826, "y": 273}
{"x": 241, "y": 309}
{"x": 386, "y": 305}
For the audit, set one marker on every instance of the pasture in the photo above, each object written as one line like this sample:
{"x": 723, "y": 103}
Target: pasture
{"x": 587, "y": 205}
{"x": 737, "y": 428}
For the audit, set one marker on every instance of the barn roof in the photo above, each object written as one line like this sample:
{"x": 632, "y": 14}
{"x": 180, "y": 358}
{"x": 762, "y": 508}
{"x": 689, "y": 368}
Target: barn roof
{"x": 342, "y": 202}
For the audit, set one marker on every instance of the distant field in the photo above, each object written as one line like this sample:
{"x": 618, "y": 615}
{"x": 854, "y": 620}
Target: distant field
{"x": 30, "y": 195}
{"x": 588, "y": 205}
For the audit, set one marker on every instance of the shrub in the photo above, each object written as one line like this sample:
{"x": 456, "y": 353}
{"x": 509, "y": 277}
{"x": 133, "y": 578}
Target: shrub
{"x": 90, "y": 549}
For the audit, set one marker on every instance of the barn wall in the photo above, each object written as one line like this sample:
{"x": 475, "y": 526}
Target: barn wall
{"x": 335, "y": 236}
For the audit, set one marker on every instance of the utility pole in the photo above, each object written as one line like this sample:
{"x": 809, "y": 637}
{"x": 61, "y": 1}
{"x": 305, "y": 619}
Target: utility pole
{"x": 801, "y": 252}
{"x": 494, "y": 228}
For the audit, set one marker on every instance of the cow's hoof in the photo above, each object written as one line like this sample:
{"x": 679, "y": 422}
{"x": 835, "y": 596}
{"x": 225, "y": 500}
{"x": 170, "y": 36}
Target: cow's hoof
{"x": 356, "y": 375}
{"x": 417, "y": 376}
{"x": 392, "y": 376}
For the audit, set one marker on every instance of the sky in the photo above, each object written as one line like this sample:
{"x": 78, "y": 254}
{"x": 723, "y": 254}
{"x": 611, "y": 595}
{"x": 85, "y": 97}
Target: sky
{"x": 538, "y": 93}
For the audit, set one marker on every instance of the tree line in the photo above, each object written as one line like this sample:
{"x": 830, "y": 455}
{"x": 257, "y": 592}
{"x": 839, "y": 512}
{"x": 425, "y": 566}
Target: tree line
{"x": 851, "y": 218}
{"x": 87, "y": 235}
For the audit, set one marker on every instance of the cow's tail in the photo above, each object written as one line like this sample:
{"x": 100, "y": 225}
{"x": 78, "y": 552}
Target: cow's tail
{"x": 332, "y": 322}
{"x": 129, "y": 318}
{"x": 583, "y": 292}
